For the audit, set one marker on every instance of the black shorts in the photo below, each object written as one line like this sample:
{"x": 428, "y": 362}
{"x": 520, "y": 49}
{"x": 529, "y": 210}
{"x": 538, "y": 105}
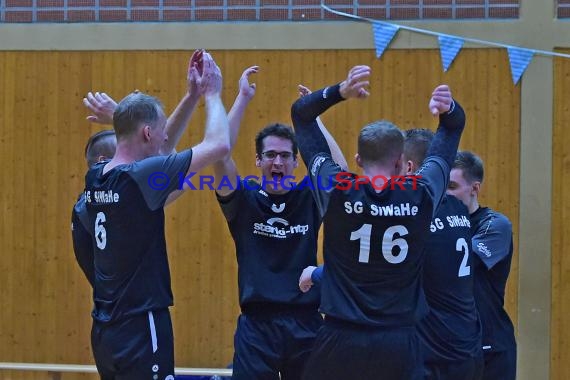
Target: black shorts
{"x": 348, "y": 351}
{"x": 467, "y": 369}
{"x": 138, "y": 348}
{"x": 500, "y": 364}
{"x": 274, "y": 346}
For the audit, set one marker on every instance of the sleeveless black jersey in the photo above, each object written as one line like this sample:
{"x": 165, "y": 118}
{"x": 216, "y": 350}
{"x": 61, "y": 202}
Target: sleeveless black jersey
{"x": 451, "y": 330}
{"x": 275, "y": 238}
{"x": 492, "y": 244}
{"x": 82, "y": 240}
{"x": 126, "y": 218}
{"x": 374, "y": 243}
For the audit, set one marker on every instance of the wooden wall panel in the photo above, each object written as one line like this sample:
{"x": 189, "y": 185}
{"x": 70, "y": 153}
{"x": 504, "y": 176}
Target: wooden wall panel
{"x": 560, "y": 323}
{"x": 45, "y": 298}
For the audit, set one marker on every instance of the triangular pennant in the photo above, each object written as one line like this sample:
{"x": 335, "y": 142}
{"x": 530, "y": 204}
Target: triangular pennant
{"x": 383, "y": 35}
{"x": 519, "y": 59}
{"x": 449, "y": 46}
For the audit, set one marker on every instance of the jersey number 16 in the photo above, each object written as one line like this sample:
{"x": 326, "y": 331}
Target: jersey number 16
{"x": 388, "y": 243}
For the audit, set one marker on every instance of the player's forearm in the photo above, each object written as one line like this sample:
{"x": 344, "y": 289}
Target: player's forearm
{"x": 336, "y": 152}
{"x": 225, "y": 170}
{"x": 178, "y": 121}
{"x": 235, "y": 116}
{"x": 309, "y": 107}
{"x": 216, "y": 133}
{"x": 446, "y": 139}
{"x": 304, "y": 113}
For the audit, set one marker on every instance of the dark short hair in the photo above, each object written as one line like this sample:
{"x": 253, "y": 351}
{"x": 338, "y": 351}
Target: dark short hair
{"x": 416, "y": 144}
{"x": 470, "y": 164}
{"x": 279, "y": 130}
{"x": 380, "y": 142}
{"x": 102, "y": 143}
{"x": 135, "y": 109}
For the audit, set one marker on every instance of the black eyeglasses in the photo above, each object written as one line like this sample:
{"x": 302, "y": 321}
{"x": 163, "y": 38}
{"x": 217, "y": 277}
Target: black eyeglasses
{"x": 270, "y": 155}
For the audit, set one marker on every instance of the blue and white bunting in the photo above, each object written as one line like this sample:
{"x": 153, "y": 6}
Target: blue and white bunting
{"x": 383, "y": 35}
{"x": 449, "y": 46}
{"x": 519, "y": 59}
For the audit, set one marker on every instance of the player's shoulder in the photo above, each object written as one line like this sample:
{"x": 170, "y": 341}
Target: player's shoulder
{"x": 98, "y": 175}
{"x": 491, "y": 220}
{"x": 158, "y": 160}
{"x": 318, "y": 161}
{"x": 79, "y": 206}
{"x": 430, "y": 162}
{"x": 96, "y": 170}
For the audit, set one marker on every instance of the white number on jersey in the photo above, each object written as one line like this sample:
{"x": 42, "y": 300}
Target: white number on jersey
{"x": 100, "y": 232}
{"x": 388, "y": 243}
{"x": 461, "y": 246}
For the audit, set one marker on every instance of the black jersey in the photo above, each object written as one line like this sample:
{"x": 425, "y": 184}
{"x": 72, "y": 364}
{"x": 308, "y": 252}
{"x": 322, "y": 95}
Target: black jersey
{"x": 492, "y": 244}
{"x": 126, "y": 218}
{"x": 82, "y": 240}
{"x": 374, "y": 243}
{"x": 452, "y": 330}
{"x": 275, "y": 238}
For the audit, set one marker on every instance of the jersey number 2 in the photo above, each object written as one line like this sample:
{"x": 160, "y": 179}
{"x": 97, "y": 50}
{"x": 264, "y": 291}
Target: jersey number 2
{"x": 461, "y": 246}
{"x": 388, "y": 243}
{"x": 100, "y": 231}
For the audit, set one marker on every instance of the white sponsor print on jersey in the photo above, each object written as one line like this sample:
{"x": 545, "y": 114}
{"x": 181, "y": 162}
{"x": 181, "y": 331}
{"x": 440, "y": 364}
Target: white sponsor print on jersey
{"x": 279, "y": 209}
{"x": 272, "y": 221}
{"x": 278, "y": 228}
{"x": 483, "y": 249}
{"x": 318, "y": 161}
{"x": 101, "y": 196}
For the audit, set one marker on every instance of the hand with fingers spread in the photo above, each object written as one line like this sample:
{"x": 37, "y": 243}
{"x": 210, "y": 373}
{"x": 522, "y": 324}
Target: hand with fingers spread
{"x": 356, "y": 84}
{"x": 441, "y": 100}
{"x": 102, "y": 107}
{"x": 197, "y": 60}
{"x": 245, "y": 88}
{"x": 195, "y": 69}
{"x": 210, "y": 81}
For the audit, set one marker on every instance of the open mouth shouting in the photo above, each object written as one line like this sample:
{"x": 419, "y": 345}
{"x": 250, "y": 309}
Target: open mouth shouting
{"x": 277, "y": 175}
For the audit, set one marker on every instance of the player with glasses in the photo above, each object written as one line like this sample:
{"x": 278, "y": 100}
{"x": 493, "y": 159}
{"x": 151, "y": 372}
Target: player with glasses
{"x": 275, "y": 233}
{"x": 272, "y": 155}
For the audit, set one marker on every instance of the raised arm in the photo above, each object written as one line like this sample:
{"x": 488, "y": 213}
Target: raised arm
{"x": 435, "y": 169}
{"x": 336, "y": 152}
{"x": 102, "y": 106}
{"x": 179, "y": 119}
{"x": 305, "y": 110}
{"x": 451, "y": 124}
{"x": 226, "y": 167}
{"x": 216, "y": 142}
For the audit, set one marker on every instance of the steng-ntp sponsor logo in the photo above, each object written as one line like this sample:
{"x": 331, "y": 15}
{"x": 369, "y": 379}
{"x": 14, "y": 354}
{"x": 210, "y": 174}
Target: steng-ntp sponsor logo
{"x": 279, "y": 228}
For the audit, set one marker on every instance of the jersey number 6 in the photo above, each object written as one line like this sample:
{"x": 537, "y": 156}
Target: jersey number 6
{"x": 100, "y": 232}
